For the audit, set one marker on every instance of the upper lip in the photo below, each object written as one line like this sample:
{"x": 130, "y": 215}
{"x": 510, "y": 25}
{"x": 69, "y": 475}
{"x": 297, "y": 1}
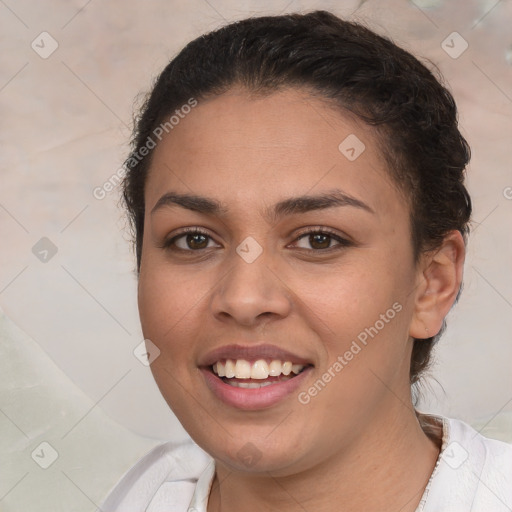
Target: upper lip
{"x": 252, "y": 352}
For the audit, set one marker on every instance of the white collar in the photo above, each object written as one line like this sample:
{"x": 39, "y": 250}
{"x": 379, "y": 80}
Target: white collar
{"x": 199, "y": 500}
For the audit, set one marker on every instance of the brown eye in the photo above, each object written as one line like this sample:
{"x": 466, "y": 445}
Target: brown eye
{"x": 189, "y": 241}
{"x": 196, "y": 241}
{"x": 318, "y": 240}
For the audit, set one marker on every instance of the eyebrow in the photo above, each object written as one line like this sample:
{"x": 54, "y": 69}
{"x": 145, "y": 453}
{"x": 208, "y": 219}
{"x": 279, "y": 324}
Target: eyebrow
{"x": 290, "y": 206}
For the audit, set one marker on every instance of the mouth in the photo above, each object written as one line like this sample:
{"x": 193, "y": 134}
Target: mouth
{"x": 255, "y": 377}
{"x": 245, "y": 374}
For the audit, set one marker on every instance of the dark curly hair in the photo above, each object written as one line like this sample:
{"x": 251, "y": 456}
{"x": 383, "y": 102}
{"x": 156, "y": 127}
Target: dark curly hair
{"x": 356, "y": 71}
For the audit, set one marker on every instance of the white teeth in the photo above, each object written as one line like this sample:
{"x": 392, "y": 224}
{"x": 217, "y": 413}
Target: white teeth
{"x": 274, "y": 368}
{"x": 297, "y": 368}
{"x": 229, "y": 368}
{"x": 242, "y": 369}
{"x": 260, "y": 369}
{"x": 249, "y": 385}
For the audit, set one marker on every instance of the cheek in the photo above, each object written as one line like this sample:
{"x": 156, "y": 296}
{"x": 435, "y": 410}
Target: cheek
{"x": 362, "y": 319}
{"x": 352, "y": 297}
{"x": 169, "y": 307}
{"x": 363, "y": 312}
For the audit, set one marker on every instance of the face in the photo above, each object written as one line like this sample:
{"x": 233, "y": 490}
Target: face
{"x": 268, "y": 240}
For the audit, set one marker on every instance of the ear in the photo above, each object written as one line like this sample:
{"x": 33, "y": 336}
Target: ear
{"x": 438, "y": 282}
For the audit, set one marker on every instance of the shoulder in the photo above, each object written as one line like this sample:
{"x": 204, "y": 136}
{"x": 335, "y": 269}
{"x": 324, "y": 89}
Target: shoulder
{"x": 491, "y": 450}
{"x": 168, "y": 474}
{"x": 490, "y": 457}
{"x": 473, "y": 472}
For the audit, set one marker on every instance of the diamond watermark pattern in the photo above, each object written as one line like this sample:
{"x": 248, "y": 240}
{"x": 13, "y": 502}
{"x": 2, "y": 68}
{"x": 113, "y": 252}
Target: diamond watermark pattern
{"x": 352, "y": 147}
{"x": 454, "y": 45}
{"x": 146, "y": 352}
{"x": 249, "y": 455}
{"x": 455, "y": 455}
{"x": 249, "y": 250}
{"x": 44, "y": 45}
{"x": 44, "y": 250}
{"x": 45, "y": 455}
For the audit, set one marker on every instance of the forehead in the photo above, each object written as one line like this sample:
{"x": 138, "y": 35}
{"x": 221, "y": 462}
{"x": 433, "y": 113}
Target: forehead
{"x": 240, "y": 148}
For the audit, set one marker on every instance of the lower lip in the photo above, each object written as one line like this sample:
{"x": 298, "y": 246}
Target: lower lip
{"x": 253, "y": 399}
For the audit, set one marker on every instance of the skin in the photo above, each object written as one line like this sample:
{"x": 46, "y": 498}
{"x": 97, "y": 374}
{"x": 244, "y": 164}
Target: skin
{"x": 357, "y": 444}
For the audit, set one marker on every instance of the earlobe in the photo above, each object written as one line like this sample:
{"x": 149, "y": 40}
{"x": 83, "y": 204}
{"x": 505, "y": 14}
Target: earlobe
{"x": 439, "y": 281}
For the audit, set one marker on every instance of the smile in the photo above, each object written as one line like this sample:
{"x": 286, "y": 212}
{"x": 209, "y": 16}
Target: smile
{"x": 252, "y": 383}
{"x": 241, "y": 373}
{"x": 260, "y": 369}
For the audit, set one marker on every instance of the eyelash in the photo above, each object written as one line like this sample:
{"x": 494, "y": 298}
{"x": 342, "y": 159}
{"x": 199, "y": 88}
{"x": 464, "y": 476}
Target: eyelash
{"x": 342, "y": 242}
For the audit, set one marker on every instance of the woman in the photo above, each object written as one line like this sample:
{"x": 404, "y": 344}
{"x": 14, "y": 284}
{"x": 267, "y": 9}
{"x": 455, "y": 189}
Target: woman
{"x": 296, "y": 188}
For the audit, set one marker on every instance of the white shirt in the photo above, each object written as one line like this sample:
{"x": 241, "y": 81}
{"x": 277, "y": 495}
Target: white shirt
{"x": 473, "y": 473}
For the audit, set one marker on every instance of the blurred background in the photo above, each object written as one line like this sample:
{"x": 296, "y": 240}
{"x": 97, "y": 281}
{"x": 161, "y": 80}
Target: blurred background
{"x": 78, "y": 406}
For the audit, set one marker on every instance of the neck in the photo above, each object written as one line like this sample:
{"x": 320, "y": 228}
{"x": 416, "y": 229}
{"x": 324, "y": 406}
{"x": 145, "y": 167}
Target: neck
{"x": 386, "y": 468}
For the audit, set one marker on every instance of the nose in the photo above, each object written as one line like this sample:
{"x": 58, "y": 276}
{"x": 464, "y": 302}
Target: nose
{"x": 250, "y": 293}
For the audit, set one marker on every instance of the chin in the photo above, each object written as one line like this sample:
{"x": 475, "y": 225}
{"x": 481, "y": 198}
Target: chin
{"x": 249, "y": 452}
